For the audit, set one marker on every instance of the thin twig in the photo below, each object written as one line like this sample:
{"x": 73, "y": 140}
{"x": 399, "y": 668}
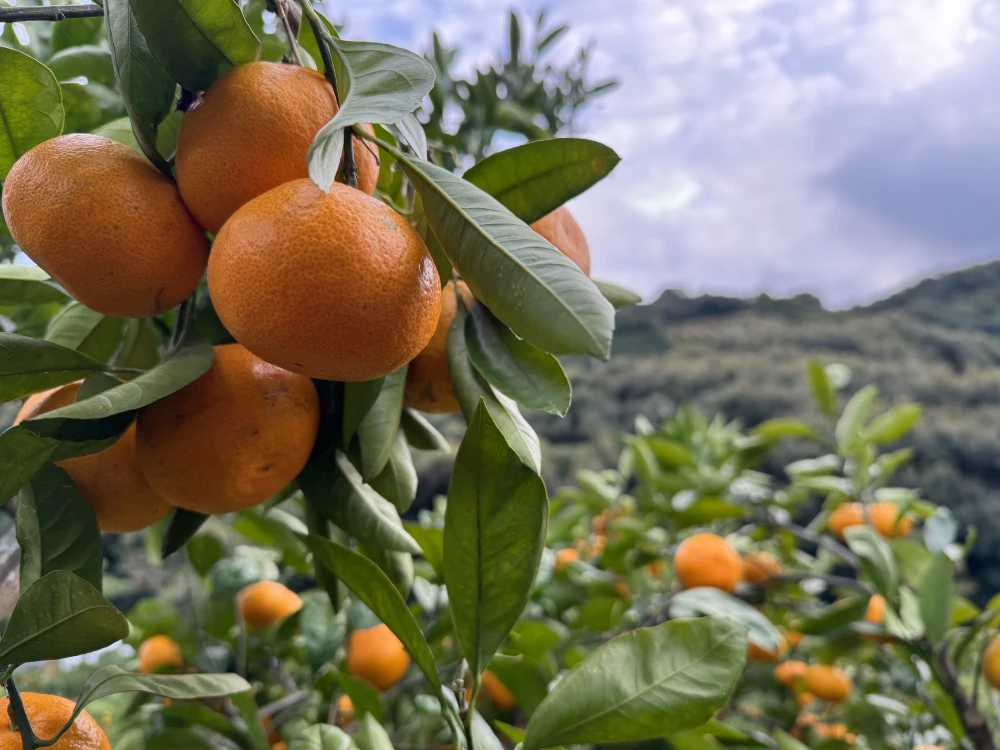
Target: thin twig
{"x": 50, "y": 13}
{"x": 276, "y": 707}
{"x": 281, "y": 10}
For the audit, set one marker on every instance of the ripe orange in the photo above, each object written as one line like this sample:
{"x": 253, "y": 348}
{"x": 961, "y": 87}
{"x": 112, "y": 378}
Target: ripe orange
{"x": 345, "y": 711}
{"x": 267, "y": 603}
{"x": 232, "y": 438}
{"x": 250, "y": 133}
{"x": 428, "y": 380}
{"x": 875, "y": 611}
{"x": 334, "y": 286}
{"x": 111, "y": 481}
{"x": 500, "y": 696}
{"x": 991, "y": 663}
{"x": 788, "y": 673}
{"x": 48, "y": 714}
{"x": 562, "y": 231}
{"x": 759, "y": 566}
{"x": 761, "y": 654}
{"x": 566, "y": 557}
{"x": 882, "y": 516}
{"x": 377, "y": 655}
{"x": 828, "y": 683}
{"x": 708, "y": 560}
{"x": 106, "y": 224}
{"x": 158, "y": 654}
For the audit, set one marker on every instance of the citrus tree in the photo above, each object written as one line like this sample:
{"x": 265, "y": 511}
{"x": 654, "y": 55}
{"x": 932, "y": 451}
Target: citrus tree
{"x": 251, "y": 274}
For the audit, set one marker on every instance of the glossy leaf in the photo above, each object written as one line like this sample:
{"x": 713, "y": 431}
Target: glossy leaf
{"x": 525, "y": 282}
{"x": 513, "y": 366}
{"x": 643, "y": 685}
{"x": 421, "y": 434}
{"x": 27, "y": 285}
{"x": 89, "y": 332}
{"x": 398, "y": 480}
{"x": 31, "y": 108}
{"x": 196, "y": 41}
{"x": 536, "y": 178}
{"x": 30, "y": 365}
{"x": 358, "y": 401}
{"x": 371, "y": 735}
{"x": 717, "y": 603}
{"x": 377, "y": 431}
{"x": 376, "y": 83}
{"x": 374, "y": 588}
{"x": 618, "y": 296}
{"x": 56, "y": 530}
{"x": 876, "y": 560}
{"x": 58, "y": 616}
{"x": 183, "y": 525}
{"x": 147, "y": 89}
{"x": 935, "y": 598}
{"x": 493, "y": 538}
{"x": 341, "y": 496}
{"x": 819, "y": 383}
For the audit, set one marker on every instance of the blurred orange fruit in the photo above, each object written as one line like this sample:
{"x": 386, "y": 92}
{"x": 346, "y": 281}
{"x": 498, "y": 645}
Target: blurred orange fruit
{"x": 47, "y": 715}
{"x": 828, "y": 683}
{"x": 377, "y": 655}
{"x": 267, "y": 603}
{"x": 708, "y": 560}
{"x": 759, "y": 566}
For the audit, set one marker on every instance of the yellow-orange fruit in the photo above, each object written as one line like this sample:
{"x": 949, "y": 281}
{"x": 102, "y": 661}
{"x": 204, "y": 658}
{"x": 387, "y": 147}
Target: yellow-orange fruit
{"x": 332, "y": 286}
{"x": 251, "y": 132}
{"x": 158, "y": 654}
{"x": 566, "y": 557}
{"x": 789, "y": 673}
{"x": 708, "y": 560}
{"x": 500, "y": 696}
{"x": 428, "y": 379}
{"x": 562, "y": 231}
{"x": 47, "y": 714}
{"x": 345, "y": 711}
{"x": 232, "y": 438}
{"x": 875, "y": 611}
{"x": 991, "y": 663}
{"x": 111, "y": 481}
{"x": 804, "y": 699}
{"x": 759, "y": 566}
{"x": 882, "y": 516}
{"x": 793, "y": 637}
{"x": 267, "y": 603}
{"x": 106, "y": 224}
{"x": 377, "y": 655}
{"x": 828, "y": 683}
{"x": 761, "y": 654}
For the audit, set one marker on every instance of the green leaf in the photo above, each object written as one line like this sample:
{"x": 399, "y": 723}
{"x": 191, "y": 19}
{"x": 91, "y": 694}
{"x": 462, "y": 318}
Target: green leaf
{"x": 31, "y": 108}
{"x": 493, "y": 538}
{"x": 90, "y": 61}
{"x": 147, "y": 89}
{"x": 203, "y": 550}
{"x": 853, "y": 418}
{"x": 618, "y": 296}
{"x": 820, "y": 386}
{"x": 376, "y": 83}
{"x": 643, "y": 685}
{"x": 30, "y": 365}
{"x": 470, "y": 388}
{"x": 22, "y": 453}
{"x": 183, "y": 526}
{"x": 836, "y": 616}
{"x": 670, "y": 452}
{"x": 89, "y": 332}
{"x": 377, "y": 431}
{"x": 139, "y": 346}
{"x": 371, "y": 735}
{"x": 56, "y": 530}
{"x": 787, "y": 742}
{"x": 717, "y": 603}
{"x": 339, "y": 494}
{"x": 196, "y": 41}
{"x": 513, "y": 366}
{"x": 534, "y": 179}
{"x": 775, "y": 429}
{"x": 246, "y": 706}
{"x": 483, "y": 737}
{"x": 935, "y": 598}
{"x": 398, "y": 480}
{"x": 365, "y": 697}
{"x": 323, "y": 737}
{"x": 421, "y": 434}
{"x": 374, "y": 588}
{"x": 58, "y": 616}
{"x": 514, "y": 734}
{"x": 27, "y": 285}
{"x": 270, "y": 531}
{"x": 876, "y": 560}
{"x": 82, "y": 31}
{"x": 358, "y": 401}
{"x": 431, "y": 543}
{"x": 530, "y": 286}
{"x": 324, "y": 632}
{"x": 411, "y": 132}
{"x": 893, "y": 424}
{"x": 170, "y": 738}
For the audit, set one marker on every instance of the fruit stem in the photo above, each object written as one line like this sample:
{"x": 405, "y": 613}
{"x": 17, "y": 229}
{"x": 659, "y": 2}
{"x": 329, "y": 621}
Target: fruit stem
{"x": 18, "y": 716}
{"x": 50, "y": 13}
{"x": 281, "y": 9}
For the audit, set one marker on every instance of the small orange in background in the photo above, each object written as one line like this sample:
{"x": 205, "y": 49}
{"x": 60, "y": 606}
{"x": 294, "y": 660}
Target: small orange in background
{"x": 159, "y": 653}
{"x": 875, "y": 611}
{"x": 761, "y": 654}
{"x": 622, "y": 589}
{"x": 563, "y": 232}
{"x": 377, "y": 655}
{"x": 828, "y": 683}
{"x": 500, "y": 696}
{"x": 882, "y": 516}
{"x": 267, "y": 603}
{"x": 804, "y": 699}
{"x": 47, "y": 715}
{"x": 566, "y": 557}
{"x": 708, "y": 560}
{"x": 794, "y": 638}
{"x": 790, "y": 673}
{"x": 596, "y": 547}
{"x": 759, "y": 566}
{"x": 654, "y": 569}
{"x": 991, "y": 663}
{"x": 345, "y": 710}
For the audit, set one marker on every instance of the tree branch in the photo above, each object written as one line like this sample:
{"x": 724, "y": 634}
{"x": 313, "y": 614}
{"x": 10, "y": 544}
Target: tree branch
{"x": 50, "y": 13}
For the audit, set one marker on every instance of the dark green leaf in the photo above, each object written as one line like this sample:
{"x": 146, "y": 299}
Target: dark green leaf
{"x": 196, "y": 42}
{"x": 935, "y": 598}
{"x": 876, "y": 560}
{"x": 183, "y": 526}
{"x": 27, "y": 285}
{"x": 139, "y": 346}
{"x": 358, "y": 400}
{"x": 377, "y": 431}
{"x": 22, "y": 453}
{"x": 836, "y": 616}
{"x": 324, "y": 631}
{"x": 60, "y": 615}
{"x": 717, "y": 603}
{"x": 31, "y": 108}
{"x": 246, "y": 706}
{"x": 618, "y": 296}
{"x": 147, "y": 89}
{"x": 421, "y": 434}
{"x": 534, "y": 179}
{"x": 82, "y": 31}
{"x": 91, "y": 61}
{"x": 374, "y": 588}
{"x": 269, "y": 530}
{"x": 397, "y": 565}
{"x": 431, "y": 543}
{"x": 364, "y": 696}
{"x": 643, "y": 685}
{"x": 377, "y": 83}
{"x": 30, "y": 365}
{"x": 820, "y": 385}
{"x": 530, "y": 286}
{"x": 398, "y": 480}
{"x": 204, "y": 551}
{"x": 89, "y": 332}
{"x": 56, "y": 530}
{"x": 513, "y": 366}
{"x": 493, "y": 538}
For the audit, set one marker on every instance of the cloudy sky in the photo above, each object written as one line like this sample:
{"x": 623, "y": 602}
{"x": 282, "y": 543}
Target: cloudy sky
{"x": 841, "y": 147}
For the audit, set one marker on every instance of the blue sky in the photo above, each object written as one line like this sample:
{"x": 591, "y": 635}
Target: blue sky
{"x": 840, "y": 147}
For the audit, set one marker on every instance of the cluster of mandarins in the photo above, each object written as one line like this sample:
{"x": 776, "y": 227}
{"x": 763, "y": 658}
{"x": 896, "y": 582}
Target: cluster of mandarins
{"x": 331, "y": 286}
